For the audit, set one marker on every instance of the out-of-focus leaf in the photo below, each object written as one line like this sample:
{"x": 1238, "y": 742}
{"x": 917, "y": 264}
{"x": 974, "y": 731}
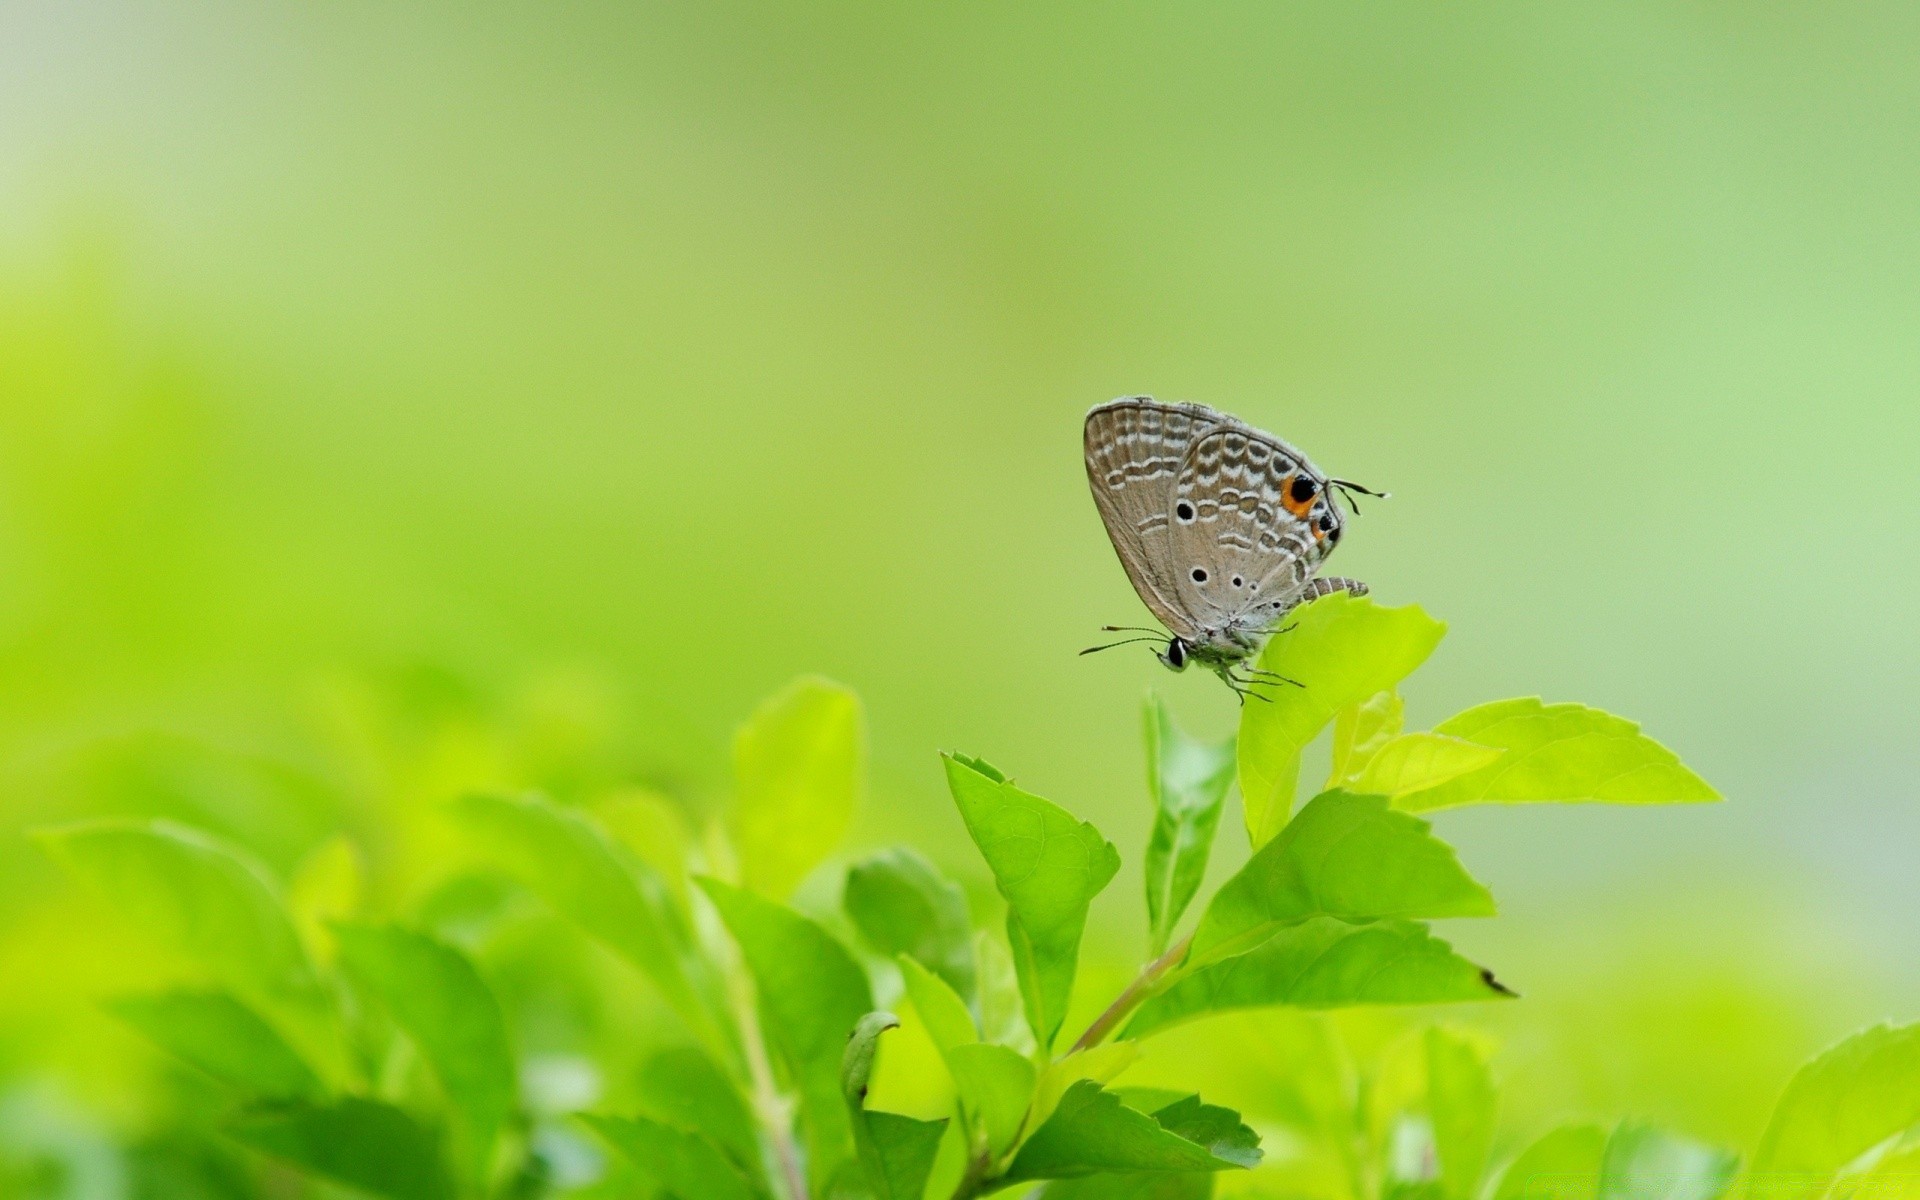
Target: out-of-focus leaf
{"x": 896, "y": 1152}
{"x": 1842, "y": 1103}
{"x": 1188, "y": 780}
{"x": 1461, "y": 1105}
{"x": 1415, "y": 762}
{"x": 572, "y": 864}
{"x": 995, "y": 1085}
{"x": 1893, "y": 1176}
{"x": 1144, "y": 1186}
{"x": 1345, "y": 856}
{"x": 1002, "y": 1010}
{"x": 941, "y": 1009}
{"x": 812, "y": 994}
{"x": 440, "y": 1000}
{"x": 797, "y": 766}
{"x": 653, "y": 829}
{"x": 326, "y": 887}
{"x": 682, "y": 1087}
{"x": 1092, "y": 1132}
{"x": 1359, "y": 730}
{"x": 1560, "y": 752}
{"x": 224, "y": 1038}
{"x": 1324, "y": 963}
{"x": 1642, "y": 1162}
{"x": 1345, "y": 650}
{"x": 200, "y": 896}
{"x": 1048, "y": 866}
{"x": 902, "y": 905}
{"x": 1563, "y": 1165}
{"x": 681, "y": 1162}
{"x": 362, "y": 1143}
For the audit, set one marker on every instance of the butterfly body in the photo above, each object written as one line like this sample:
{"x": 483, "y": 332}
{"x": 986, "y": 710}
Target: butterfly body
{"x": 1221, "y": 528}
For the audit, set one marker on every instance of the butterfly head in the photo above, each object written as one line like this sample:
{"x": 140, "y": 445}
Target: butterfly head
{"x": 1175, "y": 656}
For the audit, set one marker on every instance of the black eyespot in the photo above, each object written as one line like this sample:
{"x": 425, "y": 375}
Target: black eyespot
{"x": 1303, "y": 489}
{"x": 1333, "y": 535}
{"x": 1199, "y": 574}
{"x": 1326, "y": 522}
{"x": 1239, "y": 582}
{"x": 1183, "y": 510}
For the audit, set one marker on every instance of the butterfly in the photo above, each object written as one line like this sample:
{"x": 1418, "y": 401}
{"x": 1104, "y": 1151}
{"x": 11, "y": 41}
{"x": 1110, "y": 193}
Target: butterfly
{"x": 1221, "y": 529}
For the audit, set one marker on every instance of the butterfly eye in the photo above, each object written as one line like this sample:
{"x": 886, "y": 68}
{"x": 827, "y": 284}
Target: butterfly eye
{"x": 1303, "y": 489}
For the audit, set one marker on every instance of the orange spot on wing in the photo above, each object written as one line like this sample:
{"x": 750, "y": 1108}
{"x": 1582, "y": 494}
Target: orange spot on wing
{"x": 1298, "y": 508}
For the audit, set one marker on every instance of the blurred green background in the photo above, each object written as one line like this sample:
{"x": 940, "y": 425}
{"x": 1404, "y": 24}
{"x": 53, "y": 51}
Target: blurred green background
{"x": 576, "y": 374}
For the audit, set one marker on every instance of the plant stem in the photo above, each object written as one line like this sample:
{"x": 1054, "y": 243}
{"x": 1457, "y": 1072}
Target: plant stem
{"x": 773, "y": 1109}
{"x": 1143, "y": 986}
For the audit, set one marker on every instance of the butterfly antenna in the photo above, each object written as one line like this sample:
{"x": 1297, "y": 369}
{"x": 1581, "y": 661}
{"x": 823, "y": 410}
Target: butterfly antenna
{"x": 1347, "y": 488}
{"x": 1123, "y": 642}
{"x": 1127, "y": 629}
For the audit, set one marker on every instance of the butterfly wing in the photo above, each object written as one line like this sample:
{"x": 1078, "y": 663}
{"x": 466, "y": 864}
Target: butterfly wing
{"x": 1134, "y": 450}
{"x": 1250, "y": 523}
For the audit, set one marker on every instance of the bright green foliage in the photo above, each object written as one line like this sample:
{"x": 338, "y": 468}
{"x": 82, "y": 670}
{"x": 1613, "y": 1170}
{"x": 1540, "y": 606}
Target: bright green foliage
{"x": 224, "y": 1038}
{"x": 903, "y": 905}
{"x": 1345, "y": 650}
{"x": 1839, "y": 1106}
{"x": 1345, "y": 856}
{"x": 1187, "y": 780}
{"x": 572, "y": 864}
{"x": 896, "y": 1153}
{"x": 812, "y": 993}
{"x": 439, "y": 999}
{"x": 362, "y": 1143}
{"x": 797, "y": 766}
{"x": 1048, "y": 866}
{"x": 1562, "y": 1165}
{"x": 682, "y": 1087}
{"x": 1092, "y": 1132}
{"x": 1417, "y": 762}
{"x": 1642, "y": 1162}
{"x": 206, "y": 899}
{"x": 995, "y": 1085}
{"x": 1461, "y": 1105}
{"x": 941, "y": 1009}
{"x": 1560, "y": 752}
{"x": 1360, "y": 730}
{"x": 1324, "y": 963}
{"x": 683, "y": 1162}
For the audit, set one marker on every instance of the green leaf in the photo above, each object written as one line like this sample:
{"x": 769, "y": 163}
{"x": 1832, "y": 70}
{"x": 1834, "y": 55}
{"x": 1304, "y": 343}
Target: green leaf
{"x": 224, "y": 1038}
{"x": 1359, "y": 730}
{"x": 797, "y": 766}
{"x": 1417, "y": 762}
{"x": 1345, "y": 650}
{"x": 896, "y": 1152}
{"x": 1003, "y": 1017}
{"x": 1563, "y": 1165}
{"x": 1048, "y": 865}
{"x": 995, "y": 1086}
{"x": 326, "y": 887}
{"x": 573, "y": 865}
{"x": 1144, "y": 1186}
{"x": 1461, "y": 1104}
{"x": 684, "y": 1088}
{"x": 812, "y": 994}
{"x": 681, "y": 1162}
{"x": 198, "y": 895}
{"x": 437, "y": 996}
{"x": 1844, "y": 1102}
{"x": 901, "y": 904}
{"x": 941, "y": 1009}
{"x": 1564, "y": 753}
{"x": 1188, "y": 780}
{"x": 1324, "y": 962}
{"x": 1345, "y": 856}
{"x": 1092, "y": 1132}
{"x": 362, "y": 1143}
{"x": 1645, "y": 1163}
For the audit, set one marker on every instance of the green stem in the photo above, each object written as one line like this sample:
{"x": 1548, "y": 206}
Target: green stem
{"x": 1144, "y": 985}
{"x": 774, "y": 1110}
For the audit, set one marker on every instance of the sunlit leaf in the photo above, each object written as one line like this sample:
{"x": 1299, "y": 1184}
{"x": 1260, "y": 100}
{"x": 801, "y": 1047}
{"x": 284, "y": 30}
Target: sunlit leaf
{"x": 682, "y": 1087}
{"x": 1461, "y": 1106}
{"x": 1048, "y": 866}
{"x": 1345, "y": 650}
{"x": 797, "y": 766}
{"x": 996, "y": 1086}
{"x": 362, "y": 1143}
{"x": 1102, "y": 1064}
{"x": 1642, "y": 1162}
{"x": 941, "y": 1009}
{"x": 1139, "y": 1186}
{"x": 446, "y": 1008}
{"x": 902, "y": 904}
{"x": 326, "y": 887}
{"x": 1092, "y": 1132}
{"x": 1562, "y": 1165}
{"x": 1324, "y": 963}
{"x": 224, "y": 1038}
{"x": 681, "y": 1162}
{"x": 896, "y": 1152}
{"x": 1560, "y": 752}
{"x": 1188, "y": 780}
{"x": 1415, "y": 762}
{"x": 1842, "y": 1103}
{"x": 1359, "y": 730}
{"x": 812, "y": 993}
{"x": 1346, "y": 856}
{"x": 1003, "y": 1017}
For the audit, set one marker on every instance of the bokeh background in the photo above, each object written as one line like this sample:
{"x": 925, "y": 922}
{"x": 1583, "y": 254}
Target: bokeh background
{"x": 565, "y": 377}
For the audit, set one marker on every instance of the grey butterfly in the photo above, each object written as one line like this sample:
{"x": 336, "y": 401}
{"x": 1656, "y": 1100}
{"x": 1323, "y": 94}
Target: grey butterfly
{"x": 1221, "y": 528}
